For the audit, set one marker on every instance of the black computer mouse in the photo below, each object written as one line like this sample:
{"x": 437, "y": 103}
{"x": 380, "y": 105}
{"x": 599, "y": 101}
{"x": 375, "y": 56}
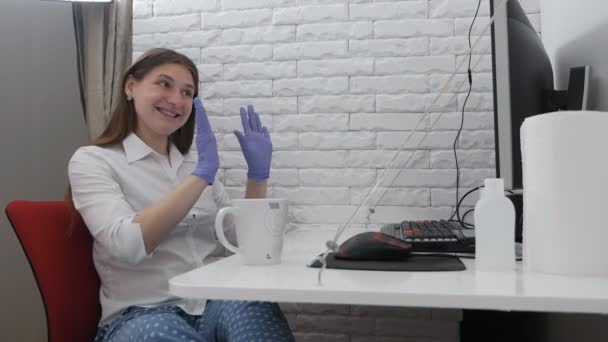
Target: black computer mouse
{"x": 373, "y": 246}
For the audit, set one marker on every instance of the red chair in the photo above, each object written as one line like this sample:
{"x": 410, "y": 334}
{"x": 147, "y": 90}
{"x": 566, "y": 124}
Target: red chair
{"x": 60, "y": 255}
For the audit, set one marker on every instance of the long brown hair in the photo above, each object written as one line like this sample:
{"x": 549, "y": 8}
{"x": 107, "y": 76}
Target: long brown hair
{"x": 124, "y": 119}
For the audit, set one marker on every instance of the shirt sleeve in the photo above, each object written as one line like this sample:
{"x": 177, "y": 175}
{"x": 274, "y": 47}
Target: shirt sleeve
{"x": 222, "y": 199}
{"x": 98, "y": 197}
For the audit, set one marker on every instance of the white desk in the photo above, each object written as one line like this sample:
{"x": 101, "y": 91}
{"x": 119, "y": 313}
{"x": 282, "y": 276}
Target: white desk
{"x": 292, "y": 281}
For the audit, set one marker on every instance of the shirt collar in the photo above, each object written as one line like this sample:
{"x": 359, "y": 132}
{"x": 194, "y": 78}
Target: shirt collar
{"x": 135, "y": 148}
{"x": 175, "y": 156}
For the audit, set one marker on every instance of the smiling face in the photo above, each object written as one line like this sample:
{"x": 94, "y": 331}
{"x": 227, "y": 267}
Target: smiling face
{"x": 162, "y": 100}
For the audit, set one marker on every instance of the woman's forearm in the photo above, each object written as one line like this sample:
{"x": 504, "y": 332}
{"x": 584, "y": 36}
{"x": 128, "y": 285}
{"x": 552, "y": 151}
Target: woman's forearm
{"x": 159, "y": 219}
{"x": 255, "y": 189}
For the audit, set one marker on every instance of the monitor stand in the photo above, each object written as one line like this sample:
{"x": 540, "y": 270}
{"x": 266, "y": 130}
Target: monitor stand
{"x": 578, "y": 88}
{"x": 576, "y": 97}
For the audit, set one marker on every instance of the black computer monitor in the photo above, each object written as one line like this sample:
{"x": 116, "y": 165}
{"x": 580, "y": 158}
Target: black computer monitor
{"x": 523, "y": 86}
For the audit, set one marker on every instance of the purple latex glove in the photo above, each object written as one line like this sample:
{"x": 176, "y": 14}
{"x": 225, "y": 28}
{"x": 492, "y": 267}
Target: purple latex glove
{"x": 208, "y": 158}
{"x": 255, "y": 144}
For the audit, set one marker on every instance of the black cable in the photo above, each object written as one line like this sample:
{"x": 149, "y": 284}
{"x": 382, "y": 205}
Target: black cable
{"x": 465, "y": 215}
{"x": 462, "y": 222}
{"x": 470, "y": 78}
{"x": 467, "y": 194}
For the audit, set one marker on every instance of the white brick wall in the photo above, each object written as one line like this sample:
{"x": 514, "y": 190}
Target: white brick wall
{"x": 339, "y": 84}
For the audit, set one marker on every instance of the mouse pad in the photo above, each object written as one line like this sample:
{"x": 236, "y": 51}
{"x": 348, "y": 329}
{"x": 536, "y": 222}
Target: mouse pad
{"x": 412, "y": 263}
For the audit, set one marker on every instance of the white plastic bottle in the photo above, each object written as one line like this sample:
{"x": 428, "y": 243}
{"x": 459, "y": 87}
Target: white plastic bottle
{"x": 494, "y": 229}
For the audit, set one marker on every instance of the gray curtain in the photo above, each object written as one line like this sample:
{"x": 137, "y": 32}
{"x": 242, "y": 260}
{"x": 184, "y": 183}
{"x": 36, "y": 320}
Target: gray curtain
{"x": 103, "y": 43}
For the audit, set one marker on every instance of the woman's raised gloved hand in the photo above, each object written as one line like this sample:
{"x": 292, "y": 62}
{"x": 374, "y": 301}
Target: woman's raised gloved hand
{"x": 206, "y": 145}
{"x": 255, "y": 144}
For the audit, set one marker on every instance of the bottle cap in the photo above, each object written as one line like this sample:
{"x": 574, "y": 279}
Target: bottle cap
{"x": 494, "y": 186}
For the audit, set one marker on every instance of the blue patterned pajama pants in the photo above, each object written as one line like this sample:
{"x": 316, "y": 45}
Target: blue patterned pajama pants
{"x": 222, "y": 321}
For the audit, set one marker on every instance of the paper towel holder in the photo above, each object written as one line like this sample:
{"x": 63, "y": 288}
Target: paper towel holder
{"x": 562, "y": 235}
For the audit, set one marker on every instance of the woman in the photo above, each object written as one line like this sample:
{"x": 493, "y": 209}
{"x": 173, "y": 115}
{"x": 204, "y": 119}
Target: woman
{"x": 150, "y": 205}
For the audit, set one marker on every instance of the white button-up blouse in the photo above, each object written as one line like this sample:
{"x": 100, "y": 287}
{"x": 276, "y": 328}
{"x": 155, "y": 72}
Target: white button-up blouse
{"x": 109, "y": 186}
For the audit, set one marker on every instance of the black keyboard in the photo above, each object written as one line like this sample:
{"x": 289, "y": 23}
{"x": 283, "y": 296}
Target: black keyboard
{"x": 432, "y": 236}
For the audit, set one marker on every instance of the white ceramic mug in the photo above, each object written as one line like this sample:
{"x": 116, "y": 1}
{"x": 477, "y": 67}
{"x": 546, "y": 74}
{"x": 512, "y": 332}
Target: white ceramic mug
{"x": 260, "y": 226}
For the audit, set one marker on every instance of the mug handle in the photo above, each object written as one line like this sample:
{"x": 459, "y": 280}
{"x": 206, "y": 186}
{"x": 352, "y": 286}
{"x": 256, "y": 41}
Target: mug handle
{"x": 219, "y": 229}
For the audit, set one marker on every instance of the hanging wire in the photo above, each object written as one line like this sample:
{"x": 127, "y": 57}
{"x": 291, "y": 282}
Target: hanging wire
{"x": 332, "y": 245}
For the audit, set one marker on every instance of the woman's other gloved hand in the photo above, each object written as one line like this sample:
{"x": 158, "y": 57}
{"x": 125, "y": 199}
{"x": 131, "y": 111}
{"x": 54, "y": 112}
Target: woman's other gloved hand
{"x": 206, "y": 145}
{"x": 255, "y": 144}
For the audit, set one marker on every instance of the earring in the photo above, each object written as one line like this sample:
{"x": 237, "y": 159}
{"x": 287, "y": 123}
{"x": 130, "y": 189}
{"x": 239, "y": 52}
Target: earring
{"x": 129, "y": 98}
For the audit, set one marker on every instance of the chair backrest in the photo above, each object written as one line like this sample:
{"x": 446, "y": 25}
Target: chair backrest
{"x": 58, "y": 247}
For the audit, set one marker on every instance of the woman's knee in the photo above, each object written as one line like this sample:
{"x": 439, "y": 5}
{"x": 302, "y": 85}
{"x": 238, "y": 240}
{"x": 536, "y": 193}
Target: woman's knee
{"x": 160, "y": 327}
{"x": 247, "y": 310}
{"x": 241, "y": 305}
{"x": 254, "y": 321}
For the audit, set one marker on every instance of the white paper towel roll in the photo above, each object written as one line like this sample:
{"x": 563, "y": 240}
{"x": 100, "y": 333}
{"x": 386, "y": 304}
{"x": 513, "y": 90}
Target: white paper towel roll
{"x": 565, "y": 192}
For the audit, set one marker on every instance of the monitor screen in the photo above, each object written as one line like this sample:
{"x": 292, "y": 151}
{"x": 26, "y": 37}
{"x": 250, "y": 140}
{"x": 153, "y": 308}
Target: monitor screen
{"x": 523, "y": 83}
